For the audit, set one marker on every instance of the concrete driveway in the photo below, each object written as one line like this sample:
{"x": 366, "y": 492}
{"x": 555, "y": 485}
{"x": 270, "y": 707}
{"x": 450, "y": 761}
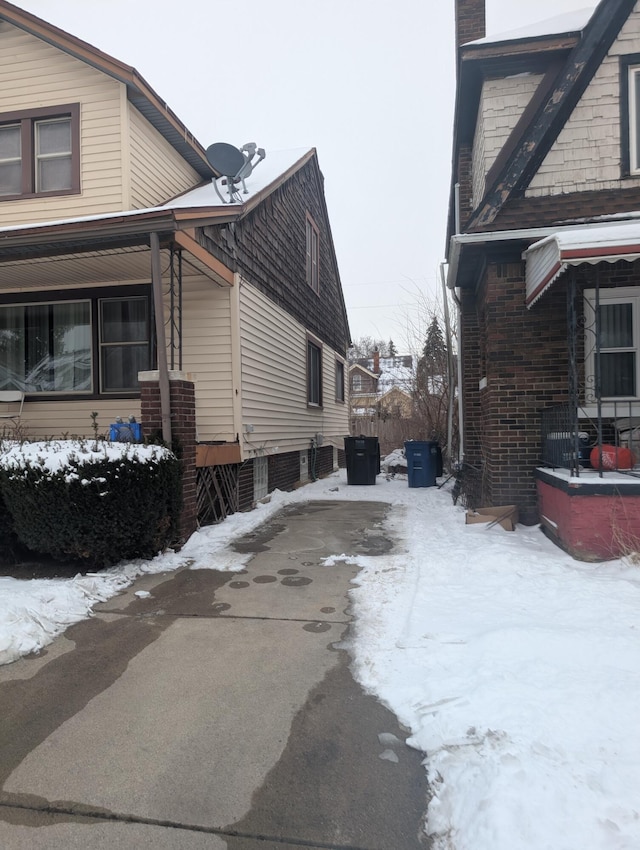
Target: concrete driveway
{"x": 217, "y": 713}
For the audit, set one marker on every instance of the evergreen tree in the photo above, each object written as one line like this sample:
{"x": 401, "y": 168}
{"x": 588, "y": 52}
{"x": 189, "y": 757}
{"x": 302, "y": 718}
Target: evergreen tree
{"x": 433, "y": 361}
{"x": 435, "y": 349}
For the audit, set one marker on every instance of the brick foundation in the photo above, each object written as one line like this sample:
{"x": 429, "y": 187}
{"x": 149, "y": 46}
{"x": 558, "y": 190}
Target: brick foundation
{"x": 245, "y": 486}
{"x": 284, "y": 473}
{"x": 183, "y": 432}
{"x": 592, "y": 523}
{"x": 324, "y": 462}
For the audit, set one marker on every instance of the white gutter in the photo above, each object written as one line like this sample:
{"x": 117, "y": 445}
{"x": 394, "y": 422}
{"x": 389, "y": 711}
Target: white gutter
{"x": 458, "y": 241}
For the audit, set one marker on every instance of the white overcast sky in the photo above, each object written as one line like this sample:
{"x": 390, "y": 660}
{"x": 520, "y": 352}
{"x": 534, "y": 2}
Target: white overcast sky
{"x": 369, "y": 83}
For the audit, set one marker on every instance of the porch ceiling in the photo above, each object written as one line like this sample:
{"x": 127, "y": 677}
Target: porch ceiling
{"x": 549, "y": 258}
{"x": 124, "y": 264}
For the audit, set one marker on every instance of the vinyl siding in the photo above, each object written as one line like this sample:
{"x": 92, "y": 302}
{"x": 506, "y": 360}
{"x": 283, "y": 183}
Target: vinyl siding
{"x": 158, "y": 172}
{"x": 34, "y": 74}
{"x": 206, "y": 355}
{"x": 44, "y": 419}
{"x": 274, "y": 381}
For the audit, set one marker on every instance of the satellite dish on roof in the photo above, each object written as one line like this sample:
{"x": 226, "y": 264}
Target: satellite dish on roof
{"x": 234, "y": 165}
{"x": 225, "y": 159}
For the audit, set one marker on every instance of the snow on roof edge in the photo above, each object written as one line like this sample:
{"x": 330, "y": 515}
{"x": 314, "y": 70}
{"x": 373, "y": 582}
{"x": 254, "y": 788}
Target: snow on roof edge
{"x": 568, "y": 22}
{"x": 199, "y": 197}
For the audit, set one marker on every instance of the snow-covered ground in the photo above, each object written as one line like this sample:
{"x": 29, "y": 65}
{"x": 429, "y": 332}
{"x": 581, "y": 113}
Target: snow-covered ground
{"x": 516, "y": 668}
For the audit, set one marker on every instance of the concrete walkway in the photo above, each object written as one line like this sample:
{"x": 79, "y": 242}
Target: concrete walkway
{"x": 217, "y": 713}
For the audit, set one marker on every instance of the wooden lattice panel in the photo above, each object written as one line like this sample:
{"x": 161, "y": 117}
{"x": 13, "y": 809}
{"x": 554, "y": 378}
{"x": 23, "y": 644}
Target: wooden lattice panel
{"x": 217, "y": 493}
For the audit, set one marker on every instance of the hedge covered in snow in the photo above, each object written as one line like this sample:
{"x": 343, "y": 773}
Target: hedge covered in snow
{"x": 91, "y": 500}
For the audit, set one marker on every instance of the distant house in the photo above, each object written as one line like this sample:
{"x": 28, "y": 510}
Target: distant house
{"x": 134, "y": 280}
{"x": 544, "y": 257}
{"x": 381, "y": 391}
{"x": 363, "y": 399}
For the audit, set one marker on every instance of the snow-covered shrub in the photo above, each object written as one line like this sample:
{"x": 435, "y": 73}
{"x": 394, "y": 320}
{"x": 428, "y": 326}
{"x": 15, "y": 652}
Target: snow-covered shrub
{"x": 9, "y": 544}
{"x": 8, "y": 539}
{"x": 93, "y": 501}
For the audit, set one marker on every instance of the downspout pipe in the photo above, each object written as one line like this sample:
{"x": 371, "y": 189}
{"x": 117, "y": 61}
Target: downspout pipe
{"x": 460, "y": 399}
{"x": 161, "y": 340}
{"x": 450, "y": 378}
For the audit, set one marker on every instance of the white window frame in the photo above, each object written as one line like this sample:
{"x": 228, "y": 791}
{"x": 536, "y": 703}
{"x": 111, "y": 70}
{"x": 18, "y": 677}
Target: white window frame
{"x": 621, "y": 295}
{"x": 633, "y": 79}
{"x": 40, "y": 157}
{"x": 14, "y": 160}
{"x": 356, "y": 383}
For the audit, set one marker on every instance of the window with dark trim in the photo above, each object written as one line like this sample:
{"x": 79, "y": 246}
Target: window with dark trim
{"x": 40, "y": 152}
{"x": 339, "y": 380}
{"x": 75, "y": 346}
{"x": 314, "y": 373}
{"x": 313, "y": 254}
{"x": 124, "y": 342}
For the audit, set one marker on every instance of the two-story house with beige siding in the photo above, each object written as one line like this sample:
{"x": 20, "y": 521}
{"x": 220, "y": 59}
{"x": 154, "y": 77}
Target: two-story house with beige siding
{"x": 133, "y": 283}
{"x": 544, "y": 258}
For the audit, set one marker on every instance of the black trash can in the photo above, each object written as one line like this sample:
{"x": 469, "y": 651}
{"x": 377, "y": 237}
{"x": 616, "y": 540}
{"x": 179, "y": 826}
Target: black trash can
{"x": 424, "y": 462}
{"x": 362, "y": 455}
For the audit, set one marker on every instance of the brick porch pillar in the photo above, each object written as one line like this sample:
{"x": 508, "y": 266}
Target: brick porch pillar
{"x": 183, "y": 433}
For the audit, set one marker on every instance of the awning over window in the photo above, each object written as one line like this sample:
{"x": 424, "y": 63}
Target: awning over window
{"x": 547, "y": 259}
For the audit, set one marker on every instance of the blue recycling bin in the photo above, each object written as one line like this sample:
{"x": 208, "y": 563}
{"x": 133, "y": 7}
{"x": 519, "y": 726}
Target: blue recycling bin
{"x": 423, "y": 462}
{"x": 362, "y": 455}
{"x": 125, "y": 432}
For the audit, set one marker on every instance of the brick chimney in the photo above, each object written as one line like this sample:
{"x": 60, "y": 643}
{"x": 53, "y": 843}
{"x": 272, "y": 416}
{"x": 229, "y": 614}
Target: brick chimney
{"x": 470, "y": 21}
{"x": 376, "y": 361}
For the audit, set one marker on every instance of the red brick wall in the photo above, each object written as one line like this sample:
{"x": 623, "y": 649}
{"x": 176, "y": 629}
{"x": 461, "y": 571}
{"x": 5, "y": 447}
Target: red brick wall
{"x": 523, "y": 354}
{"x": 183, "y": 432}
{"x": 470, "y": 20}
{"x": 593, "y": 527}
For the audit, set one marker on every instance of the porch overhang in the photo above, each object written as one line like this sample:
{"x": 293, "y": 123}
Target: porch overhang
{"x": 549, "y": 258}
{"x": 92, "y": 250}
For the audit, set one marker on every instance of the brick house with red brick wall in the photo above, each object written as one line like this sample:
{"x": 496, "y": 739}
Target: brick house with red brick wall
{"x": 138, "y": 277}
{"x": 544, "y": 260}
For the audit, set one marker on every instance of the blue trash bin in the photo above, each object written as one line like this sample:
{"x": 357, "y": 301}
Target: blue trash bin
{"x": 422, "y": 462}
